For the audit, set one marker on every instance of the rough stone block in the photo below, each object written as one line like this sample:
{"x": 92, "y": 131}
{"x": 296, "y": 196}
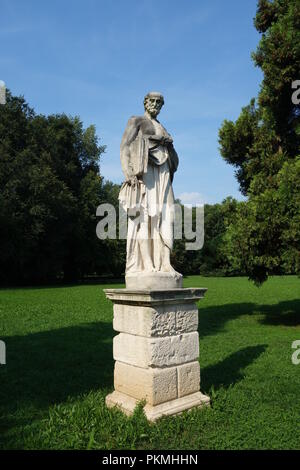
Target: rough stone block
{"x": 156, "y": 352}
{"x": 144, "y": 321}
{"x": 186, "y": 318}
{"x": 154, "y": 385}
{"x": 188, "y": 378}
{"x": 159, "y": 321}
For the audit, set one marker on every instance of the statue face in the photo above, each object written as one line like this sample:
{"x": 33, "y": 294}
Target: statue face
{"x": 153, "y": 105}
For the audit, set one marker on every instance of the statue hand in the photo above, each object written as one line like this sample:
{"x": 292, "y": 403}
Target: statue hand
{"x": 167, "y": 140}
{"x": 133, "y": 180}
{"x": 163, "y": 140}
{"x": 155, "y": 138}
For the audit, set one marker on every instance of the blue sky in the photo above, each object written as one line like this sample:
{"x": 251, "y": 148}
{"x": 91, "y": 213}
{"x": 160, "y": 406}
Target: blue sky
{"x": 97, "y": 59}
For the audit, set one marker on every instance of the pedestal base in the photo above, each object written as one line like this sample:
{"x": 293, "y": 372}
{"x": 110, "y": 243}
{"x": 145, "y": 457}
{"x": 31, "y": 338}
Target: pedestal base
{"x": 127, "y": 404}
{"x": 152, "y": 281}
{"x": 156, "y": 351}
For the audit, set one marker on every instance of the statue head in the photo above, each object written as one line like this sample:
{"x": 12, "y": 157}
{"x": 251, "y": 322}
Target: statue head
{"x": 153, "y": 102}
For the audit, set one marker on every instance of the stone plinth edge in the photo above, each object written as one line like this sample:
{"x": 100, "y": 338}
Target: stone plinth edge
{"x": 152, "y": 297}
{"x": 127, "y": 404}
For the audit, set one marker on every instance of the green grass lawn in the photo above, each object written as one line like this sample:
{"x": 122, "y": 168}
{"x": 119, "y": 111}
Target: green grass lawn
{"x": 60, "y": 368}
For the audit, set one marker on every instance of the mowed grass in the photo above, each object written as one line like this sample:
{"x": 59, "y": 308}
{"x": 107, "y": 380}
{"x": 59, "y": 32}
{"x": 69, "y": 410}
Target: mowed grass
{"x": 60, "y": 368}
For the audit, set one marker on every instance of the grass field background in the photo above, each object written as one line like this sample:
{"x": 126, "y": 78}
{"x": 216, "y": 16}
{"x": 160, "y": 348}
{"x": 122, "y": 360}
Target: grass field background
{"x": 60, "y": 368}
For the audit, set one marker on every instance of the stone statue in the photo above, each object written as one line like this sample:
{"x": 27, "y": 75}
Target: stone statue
{"x": 156, "y": 350}
{"x": 149, "y": 161}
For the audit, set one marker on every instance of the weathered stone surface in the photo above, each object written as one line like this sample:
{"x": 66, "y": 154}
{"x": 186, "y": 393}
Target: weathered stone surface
{"x": 186, "y": 318}
{"x": 127, "y": 404}
{"x": 144, "y": 321}
{"x": 188, "y": 378}
{"x": 153, "y": 280}
{"x": 124, "y": 402}
{"x": 148, "y": 264}
{"x": 156, "y": 352}
{"x": 154, "y": 385}
{"x": 162, "y": 320}
{"x": 153, "y": 297}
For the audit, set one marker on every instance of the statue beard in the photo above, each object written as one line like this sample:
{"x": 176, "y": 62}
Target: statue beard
{"x": 152, "y": 110}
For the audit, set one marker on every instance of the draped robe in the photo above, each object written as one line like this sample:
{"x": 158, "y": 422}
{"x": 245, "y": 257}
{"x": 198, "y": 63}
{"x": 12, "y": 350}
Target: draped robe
{"x": 149, "y": 202}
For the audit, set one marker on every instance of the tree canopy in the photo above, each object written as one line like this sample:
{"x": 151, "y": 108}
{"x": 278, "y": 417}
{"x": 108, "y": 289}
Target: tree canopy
{"x": 263, "y": 144}
{"x": 50, "y": 186}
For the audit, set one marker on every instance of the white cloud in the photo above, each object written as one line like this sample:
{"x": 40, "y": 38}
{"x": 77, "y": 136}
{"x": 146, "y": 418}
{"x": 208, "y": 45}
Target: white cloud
{"x": 193, "y": 198}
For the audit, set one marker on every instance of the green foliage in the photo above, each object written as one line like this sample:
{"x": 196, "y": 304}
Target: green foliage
{"x": 278, "y": 55}
{"x": 265, "y": 231}
{"x": 50, "y": 187}
{"x": 263, "y": 145}
{"x": 212, "y": 259}
{"x": 60, "y": 368}
{"x": 236, "y": 143}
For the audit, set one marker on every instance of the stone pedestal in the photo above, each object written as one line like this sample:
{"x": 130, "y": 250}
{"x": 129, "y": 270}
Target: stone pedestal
{"x": 153, "y": 281}
{"x": 156, "y": 351}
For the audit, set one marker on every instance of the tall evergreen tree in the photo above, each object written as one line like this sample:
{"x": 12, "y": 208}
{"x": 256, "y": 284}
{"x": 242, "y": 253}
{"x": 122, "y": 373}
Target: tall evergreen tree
{"x": 264, "y": 146}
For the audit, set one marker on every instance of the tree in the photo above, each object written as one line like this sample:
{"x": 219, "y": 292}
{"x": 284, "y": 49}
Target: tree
{"x": 263, "y": 145}
{"x": 50, "y": 187}
{"x": 212, "y": 259}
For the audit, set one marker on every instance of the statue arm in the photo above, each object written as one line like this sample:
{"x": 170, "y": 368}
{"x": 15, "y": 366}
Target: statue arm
{"x": 174, "y": 160}
{"x": 129, "y": 136}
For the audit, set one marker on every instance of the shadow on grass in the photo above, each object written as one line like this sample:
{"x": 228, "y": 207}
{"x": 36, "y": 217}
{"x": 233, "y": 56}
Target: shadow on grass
{"x": 65, "y": 285}
{"x": 213, "y": 319}
{"x": 284, "y": 313}
{"x": 230, "y": 371}
{"x": 47, "y": 367}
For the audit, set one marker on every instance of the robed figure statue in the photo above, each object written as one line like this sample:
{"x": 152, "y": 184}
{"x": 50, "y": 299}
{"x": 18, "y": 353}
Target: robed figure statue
{"x": 149, "y": 161}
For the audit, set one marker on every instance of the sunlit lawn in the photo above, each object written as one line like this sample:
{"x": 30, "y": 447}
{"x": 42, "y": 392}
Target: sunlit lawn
{"x": 60, "y": 368}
